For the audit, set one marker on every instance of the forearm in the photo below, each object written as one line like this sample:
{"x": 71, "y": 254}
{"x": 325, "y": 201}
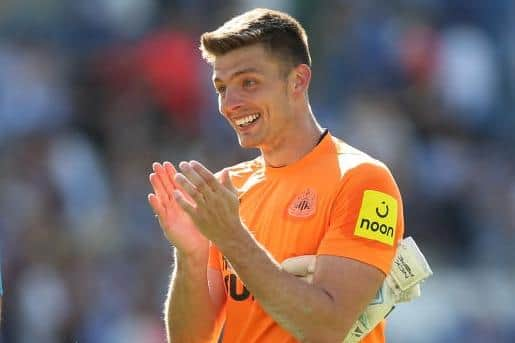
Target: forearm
{"x": 190, "y": 315}
{"x": 299, "y": 307}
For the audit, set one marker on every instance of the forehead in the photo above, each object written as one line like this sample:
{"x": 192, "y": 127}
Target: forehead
{"x": 252, "y": 57}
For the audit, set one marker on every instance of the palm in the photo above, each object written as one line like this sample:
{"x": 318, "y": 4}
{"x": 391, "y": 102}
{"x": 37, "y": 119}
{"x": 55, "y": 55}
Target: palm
{"x": 177, "y": 225}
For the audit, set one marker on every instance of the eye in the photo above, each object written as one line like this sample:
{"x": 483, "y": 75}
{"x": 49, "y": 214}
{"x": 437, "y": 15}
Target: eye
{"x": 221, "y": 90}
{"x": 248, "y": 83}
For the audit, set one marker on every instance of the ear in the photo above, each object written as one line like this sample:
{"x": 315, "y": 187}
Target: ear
{"x": 300, "y": 77}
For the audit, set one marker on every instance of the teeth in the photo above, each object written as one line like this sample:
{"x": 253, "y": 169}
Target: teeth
{"x": 246, "y": 120}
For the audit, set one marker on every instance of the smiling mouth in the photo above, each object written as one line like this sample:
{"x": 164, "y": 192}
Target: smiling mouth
{"x": 247, "y": 120}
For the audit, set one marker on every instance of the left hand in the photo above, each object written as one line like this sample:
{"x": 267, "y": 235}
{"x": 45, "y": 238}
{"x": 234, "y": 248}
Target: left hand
{"x": 216, "y": 213}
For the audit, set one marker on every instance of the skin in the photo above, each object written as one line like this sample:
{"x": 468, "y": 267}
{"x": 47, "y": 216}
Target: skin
{"x": 194, "y": 207}
{"x": 287, "y": 129}
{"x": 196, "y": 294}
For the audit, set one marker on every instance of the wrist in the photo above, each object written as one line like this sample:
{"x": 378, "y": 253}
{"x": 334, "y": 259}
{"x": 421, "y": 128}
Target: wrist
{"x": 239, "y": 244}
{"x": 191, "y": 262}
{"x": 191, "y": 259}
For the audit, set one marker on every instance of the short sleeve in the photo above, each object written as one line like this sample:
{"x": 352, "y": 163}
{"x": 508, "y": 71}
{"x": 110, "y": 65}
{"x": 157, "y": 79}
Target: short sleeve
{"x": 214, "y": 257}
{"x": 366, "y": 218}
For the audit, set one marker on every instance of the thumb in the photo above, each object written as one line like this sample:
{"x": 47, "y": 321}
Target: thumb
{"x": 226, "y": 181}
{"x": 300, "y": 265}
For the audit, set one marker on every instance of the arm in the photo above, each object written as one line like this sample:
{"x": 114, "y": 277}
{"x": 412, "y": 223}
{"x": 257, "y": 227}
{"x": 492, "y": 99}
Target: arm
{"x": 193, "y": 308}
{"x": 196, "y": 294}
{"x": 332, "y": 302}
{"x": 402, "y": 284}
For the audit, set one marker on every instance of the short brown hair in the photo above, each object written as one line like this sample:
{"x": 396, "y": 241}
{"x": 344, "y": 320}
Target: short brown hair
{"x": 279, "y": 33}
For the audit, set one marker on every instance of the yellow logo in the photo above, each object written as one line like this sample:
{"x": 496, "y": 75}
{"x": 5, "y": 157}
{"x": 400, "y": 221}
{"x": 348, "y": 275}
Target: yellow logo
{"x": 377, "y": 218}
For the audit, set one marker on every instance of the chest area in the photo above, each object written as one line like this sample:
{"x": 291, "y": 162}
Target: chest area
{"x": 288, "y": 216}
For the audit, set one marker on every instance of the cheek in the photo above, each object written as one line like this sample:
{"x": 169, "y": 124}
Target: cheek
{"x": 221, "y": 112}
{"x": 220, "y": 105}
{"x": 279, "y": 106}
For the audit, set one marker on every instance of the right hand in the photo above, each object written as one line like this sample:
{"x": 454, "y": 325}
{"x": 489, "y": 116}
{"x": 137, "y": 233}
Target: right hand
{"x": 176, "y": 224}
{"x": 301, "y": 266}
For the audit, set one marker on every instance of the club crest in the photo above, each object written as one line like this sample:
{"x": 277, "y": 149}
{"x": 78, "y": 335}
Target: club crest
{"x": 303, "y": 205}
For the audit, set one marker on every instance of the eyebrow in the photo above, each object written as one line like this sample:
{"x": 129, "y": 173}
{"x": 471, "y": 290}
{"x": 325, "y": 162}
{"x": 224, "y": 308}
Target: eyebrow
{"x": 238, "y": 73}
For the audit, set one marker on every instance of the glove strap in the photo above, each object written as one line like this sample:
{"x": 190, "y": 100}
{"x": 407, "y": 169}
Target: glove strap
{"x": 409, "y": 268}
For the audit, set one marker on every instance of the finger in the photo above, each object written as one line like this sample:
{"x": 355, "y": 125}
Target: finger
{"x": 170, "y": 172}
{"x": 184, "y": 204}
{"x": 197, "y": 181}
{"x": 165, "y": 179}
{"x": 226, "y": 181}
{"x": 312, "y": 265}
{"x": 300, "y": 265}
{"x": 206, "y": 175}
{"x": 308, "y": 278}
{"x": 159, "y": 189}
{"x": 156, "y": 205}
{"x": 189, "y": 188}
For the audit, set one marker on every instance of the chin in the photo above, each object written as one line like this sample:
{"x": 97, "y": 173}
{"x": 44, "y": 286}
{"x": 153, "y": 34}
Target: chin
{"x": 247, "y": 143}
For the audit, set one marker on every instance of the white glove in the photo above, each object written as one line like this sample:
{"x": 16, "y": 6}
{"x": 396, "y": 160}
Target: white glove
{"x": 409, "y": 269}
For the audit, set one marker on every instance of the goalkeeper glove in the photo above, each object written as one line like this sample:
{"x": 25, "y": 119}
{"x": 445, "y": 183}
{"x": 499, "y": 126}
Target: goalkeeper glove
{"x": 409, "y": 269}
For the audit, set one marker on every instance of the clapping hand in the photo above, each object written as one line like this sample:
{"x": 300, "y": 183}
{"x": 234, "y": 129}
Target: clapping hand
{"x": 176, "y": 224}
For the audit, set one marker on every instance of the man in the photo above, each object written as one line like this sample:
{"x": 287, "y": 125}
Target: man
{"x": 308, "y": 193}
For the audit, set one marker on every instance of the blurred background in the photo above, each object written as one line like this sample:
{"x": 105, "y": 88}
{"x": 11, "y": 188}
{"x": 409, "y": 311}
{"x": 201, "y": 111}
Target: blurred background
{"x": 92, "y": 92}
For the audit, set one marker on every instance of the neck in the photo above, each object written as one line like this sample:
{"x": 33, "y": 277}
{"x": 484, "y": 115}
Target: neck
{"x": 294, "y": 143}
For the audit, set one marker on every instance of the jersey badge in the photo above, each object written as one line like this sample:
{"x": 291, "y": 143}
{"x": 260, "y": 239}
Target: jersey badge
{"x": 303, "y": 205}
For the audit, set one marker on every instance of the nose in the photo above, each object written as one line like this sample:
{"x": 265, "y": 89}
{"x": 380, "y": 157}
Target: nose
{"x": 231, "y": 101}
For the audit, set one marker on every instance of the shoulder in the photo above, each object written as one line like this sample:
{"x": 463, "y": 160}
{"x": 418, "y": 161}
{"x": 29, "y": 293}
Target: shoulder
{"x": 240, "y": 172}
{"x": 359, "y": 166}
{"x": 350, "y": 157}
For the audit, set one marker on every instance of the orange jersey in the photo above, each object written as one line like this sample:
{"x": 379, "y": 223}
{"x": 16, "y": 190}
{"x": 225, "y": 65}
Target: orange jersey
{"x": 336, "y": 201}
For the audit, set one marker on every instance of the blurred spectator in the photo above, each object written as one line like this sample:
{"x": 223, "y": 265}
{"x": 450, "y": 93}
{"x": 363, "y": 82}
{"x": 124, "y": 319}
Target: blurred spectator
{"x": 42, "y": 286}
{"x": 34, "y": 93}
{"x": 466, "y": 76}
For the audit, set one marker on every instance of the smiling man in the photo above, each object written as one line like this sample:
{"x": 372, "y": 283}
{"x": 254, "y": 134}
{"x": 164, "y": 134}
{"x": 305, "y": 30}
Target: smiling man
{"x": 308, "y": 193}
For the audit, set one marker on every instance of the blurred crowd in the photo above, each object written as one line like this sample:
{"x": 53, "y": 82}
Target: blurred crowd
{"x": 92, "y": 92}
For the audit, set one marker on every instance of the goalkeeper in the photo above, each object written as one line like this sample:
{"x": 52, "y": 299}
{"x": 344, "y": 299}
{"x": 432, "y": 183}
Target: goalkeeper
{"x": 308, "y": 193}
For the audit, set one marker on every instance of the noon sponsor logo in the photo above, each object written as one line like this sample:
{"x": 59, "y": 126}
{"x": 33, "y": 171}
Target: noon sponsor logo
{"x": 377, "y": 217}
{"x": 376, "y": 227}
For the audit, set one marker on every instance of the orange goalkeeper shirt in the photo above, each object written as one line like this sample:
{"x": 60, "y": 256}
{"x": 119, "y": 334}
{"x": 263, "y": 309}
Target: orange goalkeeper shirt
{"x": 336, "y": 201}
